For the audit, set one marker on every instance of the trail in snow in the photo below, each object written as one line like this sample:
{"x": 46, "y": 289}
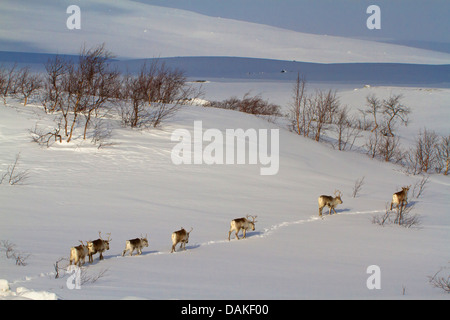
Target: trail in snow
{"x": 268, "y": 231}
{"x": 263, "y": 234}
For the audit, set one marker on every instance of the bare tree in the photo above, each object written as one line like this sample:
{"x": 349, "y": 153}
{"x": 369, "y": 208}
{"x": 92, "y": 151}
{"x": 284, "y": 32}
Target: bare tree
{"x": 406, "y": 218}
{"x": 426, "y": 150}
{"x": 389, "y": 149}
{"x": 27, "y": 83}
{"x": 155, "y": 94}
{"x": 384, "y": 219}
{"x": 298, "y": 106}
{"x": 52, "y": 84}
{"x": 357, "y": 186}
{"x": 102, "y": 86}
{"x": 75, "y": 87}
{"x": 394, "y": 111}
{"x": 11, "y": 253}
{"x": 324, "y": 107}
{"x": 346, "y": 129}
{"x": 43, "y": 137}
{"x": 384, "y": 147}
{"x": 440, "y": 282}
{"x": 80, "y": 89}
{"x": 97, "y": 82}
{"x": 443, "y": 151}
{"x": 8, "y": 248}
{"x": 13, "y": 175}
{"x": 373, "y": 107}
{"x": 372, "y": 144}
{"x": 362, "y": 122}
{"x": 7, "y": 81}
{"x": 403, "y": 216}
{"x": 3, "y": 81}
{"x": 420, "y": 186}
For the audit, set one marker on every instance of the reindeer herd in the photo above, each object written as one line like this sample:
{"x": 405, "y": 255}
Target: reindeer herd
{"x": 78, "y": 254}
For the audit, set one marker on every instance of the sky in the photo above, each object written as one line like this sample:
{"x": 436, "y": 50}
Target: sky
{"x": 418, "y": 23}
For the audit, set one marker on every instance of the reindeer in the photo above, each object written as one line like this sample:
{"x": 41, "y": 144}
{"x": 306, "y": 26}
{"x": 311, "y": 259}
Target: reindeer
{"x": 400, "y": 198}
{"x": 180, "y": 236}
{"x": 330, "y": 202}
{"x": 78, "y": 254}
{"x": 98, "y": 245}
{"x": 242, "y": 223}
{"x": 136, "y": 244}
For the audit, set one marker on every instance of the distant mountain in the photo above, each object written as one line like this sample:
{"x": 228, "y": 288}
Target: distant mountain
{"x": 137, "y": 30}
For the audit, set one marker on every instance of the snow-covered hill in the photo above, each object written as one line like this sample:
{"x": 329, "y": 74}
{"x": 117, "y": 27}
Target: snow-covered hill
{"x": 133, "y": 188}
{"x": 137, "y": 30}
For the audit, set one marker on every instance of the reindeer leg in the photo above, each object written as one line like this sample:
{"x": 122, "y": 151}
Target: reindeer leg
{"x": 245, "y": 233}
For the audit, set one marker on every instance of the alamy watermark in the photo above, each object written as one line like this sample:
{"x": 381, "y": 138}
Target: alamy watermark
{"x": 374, "y": 21}
{"x": 236, "y": 146}
{"x": 74, "y": 280}
{"x": 74, "y": 20}
{"x": 374, "y": 280}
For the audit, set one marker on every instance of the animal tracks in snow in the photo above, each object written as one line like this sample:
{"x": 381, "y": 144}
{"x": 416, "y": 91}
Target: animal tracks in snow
{"x": 270, "y": 230}
{"x": 266, "y": 232}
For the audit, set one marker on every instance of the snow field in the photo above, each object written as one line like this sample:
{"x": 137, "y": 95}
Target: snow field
{"x": 132, "y": 188}
{"x": 136, "y": 30}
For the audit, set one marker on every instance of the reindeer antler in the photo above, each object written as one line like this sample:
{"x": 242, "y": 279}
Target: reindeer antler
{"x": 108, "y": 234}
{"x": 337, "y": 193}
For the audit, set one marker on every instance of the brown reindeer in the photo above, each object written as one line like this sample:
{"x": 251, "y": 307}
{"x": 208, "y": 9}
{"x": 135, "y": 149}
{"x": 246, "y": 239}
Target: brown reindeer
{"x": 242, "y": 224}
{"x": 329, "y": 201}
{"x": 136, "y": 244}
{"x": 99, "y": 246}
{"x": 400, "y": 198}
{"x": 78, "y": 254}
{"x": 180, "y": 236}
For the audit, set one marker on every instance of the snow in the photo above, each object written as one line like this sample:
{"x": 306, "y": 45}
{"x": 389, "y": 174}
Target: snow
{"x": 132, "y": 188}
{"x": 4, "y": 286}
{"x": 138, "y": 30}
{"x": 23, "y": 293}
